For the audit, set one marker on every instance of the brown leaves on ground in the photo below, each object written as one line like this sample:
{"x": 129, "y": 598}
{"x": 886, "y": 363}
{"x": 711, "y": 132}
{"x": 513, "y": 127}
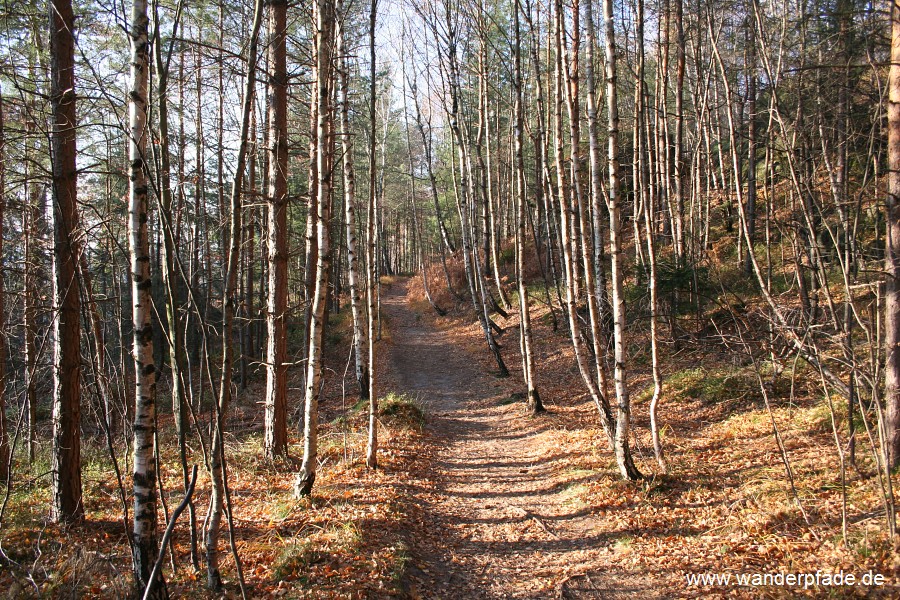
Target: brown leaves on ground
{"x": 726, "y": 507}
{"x": 487, "y": 502}
{"x": 346, "y": 541}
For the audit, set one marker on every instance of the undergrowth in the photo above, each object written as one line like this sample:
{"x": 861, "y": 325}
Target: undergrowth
{"x": 402, "y": 411}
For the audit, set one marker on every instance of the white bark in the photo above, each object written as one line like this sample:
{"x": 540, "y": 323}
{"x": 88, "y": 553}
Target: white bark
{"x": 324, "y": 158}
{"x": 144, "y": 533}
{"x": 372, "y": 257}
{"x": 535, "y": 405}
{"x": 892, "y": 251}
{"x": 360, "y": 337}
{"x": 623, "y": 404}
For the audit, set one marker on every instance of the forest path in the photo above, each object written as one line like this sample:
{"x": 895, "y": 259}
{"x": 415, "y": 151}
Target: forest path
{"x": 502, "y": 518}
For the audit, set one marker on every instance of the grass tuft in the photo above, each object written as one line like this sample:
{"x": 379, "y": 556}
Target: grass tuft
{"x": 402, "y": 411}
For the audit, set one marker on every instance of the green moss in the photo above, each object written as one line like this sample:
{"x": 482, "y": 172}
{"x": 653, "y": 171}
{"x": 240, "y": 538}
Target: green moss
{"x": 712, "y": 386}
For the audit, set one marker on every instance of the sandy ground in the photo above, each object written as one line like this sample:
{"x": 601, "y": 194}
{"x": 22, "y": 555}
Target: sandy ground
{"x": 501, "y": 520}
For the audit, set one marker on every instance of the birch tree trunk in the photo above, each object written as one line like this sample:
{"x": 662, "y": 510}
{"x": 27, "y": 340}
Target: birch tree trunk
{"x": 623, "y": 405}
{"x": 30, "y": 217}
{"x": 593, "y": 260}
{"x": 144, "y": 538}
{"x": 312, "y": 220}
{"x": 324, "y": 157}
{"x": 892, "y": 250}
{"x": 596, "y": 176}
{"x": 534, "y": 403}
{"x": 495, "y": 237}
{"x": 4, "y": 436}
{"x": 596, "y": 388}
{"x": 65, "y": 468}
{"x": 372, "y": 256}
{"x": 641, "y": 187}
{"x": 248, "y": 262}
{"x": 650, "y": 233}
{"x": 490, "y": 235}
{"x": 360, "y": 337}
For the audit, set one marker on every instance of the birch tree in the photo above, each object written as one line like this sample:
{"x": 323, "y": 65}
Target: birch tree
{"x": 623, "y": 404}
{"x": 892, "y": 249}
{"x": 4, "y": 435}
{"x": 144, "y": 538}
{"x": 324, "y": 161}
{"x": 372, "y": 256}
{"x": 172, "y": 274}
{"x": 29, "y": 298}
{"x": 360, "y": 336}
{"x": 535, "y": 405}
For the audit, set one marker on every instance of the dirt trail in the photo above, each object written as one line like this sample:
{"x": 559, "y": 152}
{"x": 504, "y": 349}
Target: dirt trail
{"x": 503, "y": 519}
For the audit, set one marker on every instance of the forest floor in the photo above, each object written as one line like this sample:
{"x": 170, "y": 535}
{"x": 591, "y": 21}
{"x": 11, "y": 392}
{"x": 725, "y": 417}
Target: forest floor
{"x": 502, "y": 520}
{"x": 473, "y": 498}
{"x": 532, "y": 507}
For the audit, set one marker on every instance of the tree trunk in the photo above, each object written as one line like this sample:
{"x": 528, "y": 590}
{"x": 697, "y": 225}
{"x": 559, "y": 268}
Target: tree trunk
{"x": 641, "y": 187}
{"x": 534, "y": 403}
{"x": 229, "y": 305}
{"x": 276, "y": 341}
{"x": 144, "y": 539}
{"x": 751, "y": 137}
{"x": 312, "y": 220}
{"x": 66, "y": 452}
{"x": 678, "y": 161}
{"x": 372, "y": 256}
{"x": 570, "y": 304}
{"x": 171, "y": 275}
{"x": 4, "y": 436}
{"x": 199, "y": 218}
{"x": 360, "y": 335}
{"x": 593, "y": 265}
{"x": 30, "y": 217}
{"x": 220, "y": 142}
{"x": 892, "y": 251}
{"x": 324, "y": 158}
{"x": 650, "y": 229}
{"x": 623, "y": 404}
{"x": 495, "y": 237}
